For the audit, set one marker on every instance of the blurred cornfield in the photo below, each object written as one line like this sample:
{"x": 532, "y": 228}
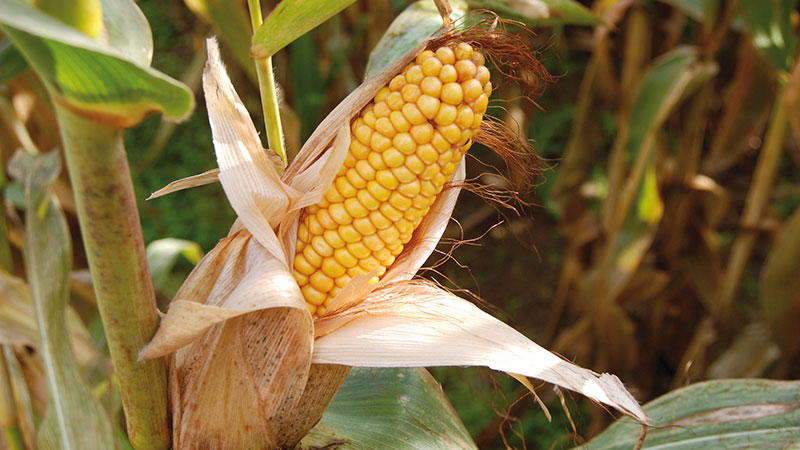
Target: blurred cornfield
{"x": 662, "y": 245}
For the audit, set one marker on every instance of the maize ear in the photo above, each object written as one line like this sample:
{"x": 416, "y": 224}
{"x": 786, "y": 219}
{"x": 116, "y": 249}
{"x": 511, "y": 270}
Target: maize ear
{"x": 405, "y": 144}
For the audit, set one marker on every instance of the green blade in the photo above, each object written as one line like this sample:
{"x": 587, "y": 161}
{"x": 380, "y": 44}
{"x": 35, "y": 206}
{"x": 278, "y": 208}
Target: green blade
{"x": 111, "y": 82}
{"x": 74, "y": 419}
{"x": 392, "y": 409}
{"x": 730, "y": 414}
{"x": 416, "y": 23}
{"x": 290, "y": 20}
{"x": 540, "y": 13}
{"x": 12, "y": 63}
{"x": 768, "y": 21}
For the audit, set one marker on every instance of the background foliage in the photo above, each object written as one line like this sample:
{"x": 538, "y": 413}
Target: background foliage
{"x": 661, "y": 244}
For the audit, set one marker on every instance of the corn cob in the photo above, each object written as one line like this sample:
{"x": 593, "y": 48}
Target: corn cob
{"x": 405, "y": 145}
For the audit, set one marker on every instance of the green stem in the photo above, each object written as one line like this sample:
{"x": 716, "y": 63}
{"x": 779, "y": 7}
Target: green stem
{"x": 757, "y": 199}
{"x": 112, "y": 236}
{"x": 269, "y": 93}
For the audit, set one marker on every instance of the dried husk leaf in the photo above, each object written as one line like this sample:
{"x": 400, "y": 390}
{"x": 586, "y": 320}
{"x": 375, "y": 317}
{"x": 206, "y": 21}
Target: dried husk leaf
{"x": 420, "y": 325}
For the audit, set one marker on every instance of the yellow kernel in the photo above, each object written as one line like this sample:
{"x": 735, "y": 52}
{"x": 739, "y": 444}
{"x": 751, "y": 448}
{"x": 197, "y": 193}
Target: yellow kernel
{"x": 314, "y": 227}
{"x": 423, "y": 202}
{"x": 404, "y": 143}
{"x": 466, "y": 70}
{"x": 451, "y": 132}
{"x": 449, "y": 168}
{"x": 445, "y": 55}
{"x": 422, "y": 134}
{"x": 358, "y": 122}
{"x": 365, "y": 170}
{"x": 427, "y": 189}
{"x": 466, "y": 135}
{"x": 413, "y": 114}
{"x": 414, "y": 164}
{"x": 364, "y": 133}
{"x": 302, "y": 231}
{"x": 367, "y": 200}
{"x": 385, "y": 256}
{"x": 300, "y": 278}
{"x": 355, "y": 208}
{"x": 364, "y": 226}
{"x": 414, "y": 75}
{"x": 403, "y": 174}
{"x": 439, "y": 179}
{"x": 476, "y": 122}
{"x": 341, "y": 282}
{"x": 357, "y": 270}
{"x": 380, "y": 193}
{"x": 397, "y": 83}
{"x": 445, "y": 157}
{"x": 410, "y": 189}
{"x": 472, "y": 90}
{"x": 440, "y": 143}
{"x": 369, "y": 263}
{"x": 373, "y": 242}
{"x": 312, "y": 256}
{"x": 399, "y": 201}
{"x": 414, "y": 215}
{"x": 487, "y": 88}
{"x": 386, "y": 179}
{"x": 359, "y": 150}
{"x": 427, "y": 153}
{"x": 431, "y": 67}
{"x": 333, "y": 239}
{"x": 332, "y": 268}
{"x": 431, "y": 171}
{"x": 382, "y": 110}
{"x": 466, "y": 146}
{"x": 399, "y": 122}
{"x": 478, "y": 58}
{"x": 446, "y": 115}
{"x": 344, "y": 188}
{"x": 481, "y": 103}
{"x": 376, "y": 161}
{"x": 349, "y": 160}
{"x": 312, "y": 295}
{"x": 411, "y": 93}
{"x": 381, "y": 95}
{"x": 482, "y": 74}
{"x": 320, "y": 281}
{"x": 390, "y": 212}
{"x": 384, "y": 127}
{"x": 393, "y": 158}
{"x": 465, "y": 117}
{"x": 344, "y": 258}
{"x": 463, "y": 51}
{"x": 395, "y": 100}
{"x": 428, "y": 105}
{"x": 452, "y": 93}
{"x": 379, "y": 142}
{"x": 342, "y": 171}
{"x": 389, "y": 235}
{"x": 311, "y": 308}
{"x": 379, "y": 220}
{"x": 404, "y": 226}
{"x": 326, "y": 220}
{"x": 431, "y": 86}
{"x": 359, "y": 250}
{"x": 424, "y": 56}
{"x": 355, "y": 179}
{"x": 369, "y": 118}
{"x": 302, "y": 265}
{"x": 398, "y": 250}
{"x": 448, "y": 74}
{"x": 349, "y": 234}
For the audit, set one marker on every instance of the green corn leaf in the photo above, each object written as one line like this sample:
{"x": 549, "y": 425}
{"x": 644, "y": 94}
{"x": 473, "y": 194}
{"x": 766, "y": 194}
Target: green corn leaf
{"x": 731, "y": 414}
{"x": 540, "y": 13}
{"x": 110, "y": 82}
{"x": 416, "y": 23}
{"x": 74, "y": 419}
{"x": 768, "y": 21}
{"x": 163, "y": 254}
{"x": 779, "y": 288}
{"x": 290, "y": 20}
{"x": 12, "y": 63}
{"x": 392, "y": 409}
